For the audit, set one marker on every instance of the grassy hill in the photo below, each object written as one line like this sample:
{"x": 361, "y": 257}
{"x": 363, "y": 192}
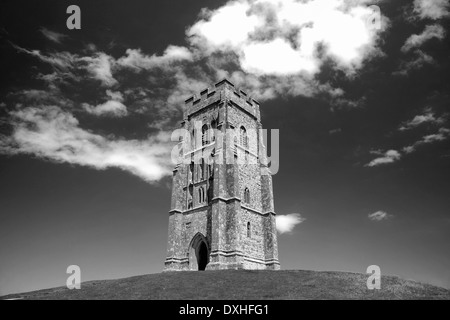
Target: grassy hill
{"x": 244, "y": 284}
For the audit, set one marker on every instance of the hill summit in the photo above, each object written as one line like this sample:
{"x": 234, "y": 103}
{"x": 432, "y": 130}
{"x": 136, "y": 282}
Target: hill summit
{"x": 243, "y": 284}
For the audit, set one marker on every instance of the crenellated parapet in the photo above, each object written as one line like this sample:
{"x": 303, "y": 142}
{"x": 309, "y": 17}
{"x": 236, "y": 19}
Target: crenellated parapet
{"x": 222, "y": 90}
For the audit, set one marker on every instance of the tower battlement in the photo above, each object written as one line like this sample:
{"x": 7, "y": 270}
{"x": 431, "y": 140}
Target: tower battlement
{"x": 223, "y": 89}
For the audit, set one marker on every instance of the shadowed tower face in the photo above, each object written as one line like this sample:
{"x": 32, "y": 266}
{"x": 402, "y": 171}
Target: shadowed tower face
{"x": 222, "y": 213}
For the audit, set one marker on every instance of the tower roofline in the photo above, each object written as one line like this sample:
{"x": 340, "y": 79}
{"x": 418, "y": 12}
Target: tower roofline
{"x": 224, "y": 80}
{"x": 221, "y": 85}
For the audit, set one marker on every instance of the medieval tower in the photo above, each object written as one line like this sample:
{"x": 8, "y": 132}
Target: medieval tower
{"x": 222, "y": 213}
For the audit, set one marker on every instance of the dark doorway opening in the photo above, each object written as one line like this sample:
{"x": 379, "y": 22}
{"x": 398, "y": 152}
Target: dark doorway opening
{"x": 202, "y": 258}
{"x": 198, "y": 253}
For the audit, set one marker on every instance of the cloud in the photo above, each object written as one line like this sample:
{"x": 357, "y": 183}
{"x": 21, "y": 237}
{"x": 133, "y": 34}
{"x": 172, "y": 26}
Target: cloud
{"x": 273, "y": 48}
{"x": 417, "y": 40}
{"x": 286, "y": 223}
{"x": 379, "y": 216}
{"x": 427, "y": 117}
{"x": 389, "y": 156}
{"x": 66, "y": 64}
{"x": 334, "y": 131}
{"x": 52, "y": 35}
{"x": 114, "y": 95}
{"x": 280, "y": 43}
{"x": 210, "y": 34}
{"x": 49, "y": 132}
{"x": 276, "y": 57}
{"x": 62, "y": 61}
{"x": 441, "y": 135}
{"x": 110, "y": 107}
{"x": 136, "y": 60}
{"x": 269, "y": 48}
{"x": 421, "y": 59}
{"x": 100, "y": 68}
{"x": 431, "y": 9}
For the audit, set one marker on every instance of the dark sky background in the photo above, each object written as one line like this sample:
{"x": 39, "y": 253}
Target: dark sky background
{"x": 113, "y": 224}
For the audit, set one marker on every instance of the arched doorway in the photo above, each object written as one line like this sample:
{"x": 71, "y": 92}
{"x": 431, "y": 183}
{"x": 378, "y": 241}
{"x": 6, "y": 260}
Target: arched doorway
{"x": 202, "y": 259}
{"x": 198, "y": 253}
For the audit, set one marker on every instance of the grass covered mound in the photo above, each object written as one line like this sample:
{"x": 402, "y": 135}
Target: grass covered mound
{"x": 244, "y": 284}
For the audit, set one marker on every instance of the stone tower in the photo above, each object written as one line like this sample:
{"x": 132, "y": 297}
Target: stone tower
{"x": 222, "y": 213}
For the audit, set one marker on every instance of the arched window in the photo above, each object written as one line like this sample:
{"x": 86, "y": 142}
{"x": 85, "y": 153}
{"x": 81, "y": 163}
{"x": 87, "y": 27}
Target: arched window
{"x": 191, "y": 190}
{"x": 202, "y": 169}
{"x": 193, "y": 139}
{"x": 243, "y": 136}
{"x": 210, "y": 171}
{"x": 247, "y": 196}
{"x": 205, "y": 138}
{"x": 249, "y": 230}
{"x": 201, "y": 195}
{"x": 213, "y": 128}
{"x": 191, "y": 171}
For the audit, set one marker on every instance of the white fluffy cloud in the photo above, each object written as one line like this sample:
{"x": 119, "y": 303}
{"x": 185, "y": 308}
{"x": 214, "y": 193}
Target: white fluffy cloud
{"x": 286, "y": 223}
{"x": 389, "y": 156}
{"x": 379, "y": 216}
{"x": 431, "y": 9}
{"x": 290, "y": 37}
{"x": 227, "y": 27}
{"x": 276, "y": 57}
{"x": 430, "y": 32}
{"x": 51, "y": 133}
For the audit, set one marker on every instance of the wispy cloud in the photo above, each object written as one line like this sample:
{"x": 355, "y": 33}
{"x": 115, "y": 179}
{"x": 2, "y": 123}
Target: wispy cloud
{"x": 100, "y": 67}
{"x": 417, "y": 40}
{"x": 136, "y": 60}
{"x": 334, "y": 131}
{"x": 286, "y": 223}
{"x": 427, "y": 117}
{"x": 112, "y": 107}
{"x": 60, "y": 60}
{"x": 52, "y": 35}
{"x": 51, "y": 133}
{"x": 379, "y": 216}
{"x": 419, "y": 60}
{"x": 389, "y": 156}
{"x": 442, "y": 134}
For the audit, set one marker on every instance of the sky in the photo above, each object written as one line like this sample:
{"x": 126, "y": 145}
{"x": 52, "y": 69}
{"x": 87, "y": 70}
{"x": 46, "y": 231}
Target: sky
{"x": 360, "y": 91}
